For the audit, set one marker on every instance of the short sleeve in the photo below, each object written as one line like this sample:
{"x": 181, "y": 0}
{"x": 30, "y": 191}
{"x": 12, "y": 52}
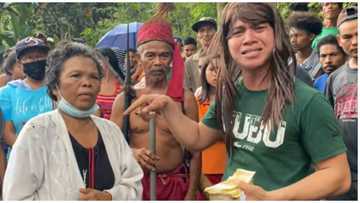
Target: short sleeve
{"x": 210, "y": 118}
{"x": 322, "y": 135}
{"x": 328, "y": 90}
{"x": 5, "y": 103}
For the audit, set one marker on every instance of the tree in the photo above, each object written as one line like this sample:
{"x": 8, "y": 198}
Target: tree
{"x": 16, "y": 22}
{"x": 92, "y": 20}
{"x": 68, "y": 20}
{"x": 184, "y": 15}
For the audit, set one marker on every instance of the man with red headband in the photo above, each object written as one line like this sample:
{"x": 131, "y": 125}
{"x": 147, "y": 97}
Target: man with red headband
{"x": 160, "y": 58}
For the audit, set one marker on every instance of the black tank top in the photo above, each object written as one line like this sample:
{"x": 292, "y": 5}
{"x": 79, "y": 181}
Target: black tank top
{"x": 94, "y": 164}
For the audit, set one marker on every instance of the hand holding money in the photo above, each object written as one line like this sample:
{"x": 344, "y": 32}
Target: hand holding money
{"x": 234, "y": 188}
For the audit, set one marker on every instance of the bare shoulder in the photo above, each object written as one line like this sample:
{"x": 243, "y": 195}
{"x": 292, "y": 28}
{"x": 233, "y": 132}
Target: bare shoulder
{"x": 118, "y": 109}
{"x": 119, "y": 100}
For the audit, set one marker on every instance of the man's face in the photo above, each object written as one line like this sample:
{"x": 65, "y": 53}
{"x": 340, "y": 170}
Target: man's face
{"x": 331, "y": 57}
{"x": 347, "y": 38}
{"x": 331, "y": 10}
{"x": 189, "y": 49}
{"x": 155, "y": 56}
{"x": 205, "y": 34}
{"x": 133, "y": 57}
{"x": 300, "y": 39}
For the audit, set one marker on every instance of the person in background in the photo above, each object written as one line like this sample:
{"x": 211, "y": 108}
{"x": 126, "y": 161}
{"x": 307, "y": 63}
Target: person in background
{"x": 330, "y": 13}
{"x": 68, "y": 153}
{"x": 205, "y": 30}
{"x": 176, "y": 180}
{"x": 189, "y": 47}
{"x": 213, "y": 158}
{"x": 111, "y": 84}
{"x": 2, "y": 153}
{"x": 296, "y": 7}
{"x": 12, "y": 69}
{"x": 303, "y": 27}
{"x": 179, "y": 42}
{"x": 22, "y": 99}
{"x": 341, "y": 90}
{"x": 332, "y": 56}
{"x": 272, "y": 123}
{"x": 133, "y": 59}
{"x": 136, "y": 70}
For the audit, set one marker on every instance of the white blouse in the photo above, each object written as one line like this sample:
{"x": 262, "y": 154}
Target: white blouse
{"x": 43, "y": 166}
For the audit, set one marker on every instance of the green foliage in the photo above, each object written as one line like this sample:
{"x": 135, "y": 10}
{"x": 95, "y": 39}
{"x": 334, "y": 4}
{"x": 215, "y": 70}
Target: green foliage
{"x": 68, "y": 20}
{"x": 92, "y": 20}
{"x": 284, "y": 10}
{"x": 16, "y": 22}
{"x": 187, "y": 14}
{"x": 184, "y": 15}
{"x": 123, "y": 13}
{"x": 314, "y": 7}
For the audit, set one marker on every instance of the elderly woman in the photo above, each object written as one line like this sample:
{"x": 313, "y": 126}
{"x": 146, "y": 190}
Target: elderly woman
{"x": 69, "y": 154}
{"x": 272, "y": 123}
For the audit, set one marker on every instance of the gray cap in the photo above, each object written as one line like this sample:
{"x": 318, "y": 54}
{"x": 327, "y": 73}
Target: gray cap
{"x": 204, "y": 21}
{"x": 347, "y": 14}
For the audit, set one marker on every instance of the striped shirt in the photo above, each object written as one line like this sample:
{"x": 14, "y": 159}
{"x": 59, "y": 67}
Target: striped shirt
{"x": 105, "y": 102}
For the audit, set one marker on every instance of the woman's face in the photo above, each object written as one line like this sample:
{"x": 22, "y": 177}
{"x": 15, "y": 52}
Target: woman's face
{"x": 79, "y": 82}
{"x": 211, "y": 73}
{"x": 251, "y": 46}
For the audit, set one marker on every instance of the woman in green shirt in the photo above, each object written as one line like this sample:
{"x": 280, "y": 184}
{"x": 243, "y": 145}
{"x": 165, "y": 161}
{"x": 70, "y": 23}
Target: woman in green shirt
{"x": 272, "y": 123}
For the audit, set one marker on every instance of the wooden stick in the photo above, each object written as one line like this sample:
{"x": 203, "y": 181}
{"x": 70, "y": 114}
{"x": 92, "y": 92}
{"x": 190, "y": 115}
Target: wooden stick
{"x": 152, "y": 148}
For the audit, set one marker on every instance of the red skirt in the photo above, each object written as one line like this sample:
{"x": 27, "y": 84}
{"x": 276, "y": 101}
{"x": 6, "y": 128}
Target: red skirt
{"x": 169, "y": 186}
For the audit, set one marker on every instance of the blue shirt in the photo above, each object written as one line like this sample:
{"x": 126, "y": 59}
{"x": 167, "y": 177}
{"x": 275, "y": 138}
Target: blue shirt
{"x": 320, "y": 82}
{"x": 20, "y": 103}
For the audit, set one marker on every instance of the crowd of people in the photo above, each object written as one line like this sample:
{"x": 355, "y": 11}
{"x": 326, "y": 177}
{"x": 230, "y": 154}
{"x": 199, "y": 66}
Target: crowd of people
{"x": 253, "y": 91}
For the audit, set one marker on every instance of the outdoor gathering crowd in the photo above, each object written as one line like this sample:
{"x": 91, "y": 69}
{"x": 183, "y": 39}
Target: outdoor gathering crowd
{"x": 254, "y": 91}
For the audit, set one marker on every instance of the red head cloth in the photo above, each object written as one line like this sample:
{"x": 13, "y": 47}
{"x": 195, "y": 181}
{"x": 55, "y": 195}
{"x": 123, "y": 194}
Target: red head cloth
{"x": 160, "y": 30}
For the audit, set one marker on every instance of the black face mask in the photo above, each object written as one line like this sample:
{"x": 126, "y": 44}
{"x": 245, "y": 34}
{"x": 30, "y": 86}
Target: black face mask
{"x": 35, "y": 70}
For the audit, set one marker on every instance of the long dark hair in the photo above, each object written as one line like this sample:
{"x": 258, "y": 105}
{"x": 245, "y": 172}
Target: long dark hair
{"x": 204, "y": 62}
{"x": 281, "y": 90}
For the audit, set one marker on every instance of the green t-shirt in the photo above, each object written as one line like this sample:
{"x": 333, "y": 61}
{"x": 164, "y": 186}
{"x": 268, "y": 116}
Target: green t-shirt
{"x": 324, "y": 32}
{"x": 308, "y": 133}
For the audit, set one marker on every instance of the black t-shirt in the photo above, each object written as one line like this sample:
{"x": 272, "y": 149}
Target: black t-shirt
{"x": 94, "y": 164}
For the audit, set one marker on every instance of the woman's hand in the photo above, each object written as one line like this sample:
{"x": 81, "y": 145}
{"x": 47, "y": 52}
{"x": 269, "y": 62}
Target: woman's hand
{"x": 253, "y": 192}
{"x": 92, "y": 194}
